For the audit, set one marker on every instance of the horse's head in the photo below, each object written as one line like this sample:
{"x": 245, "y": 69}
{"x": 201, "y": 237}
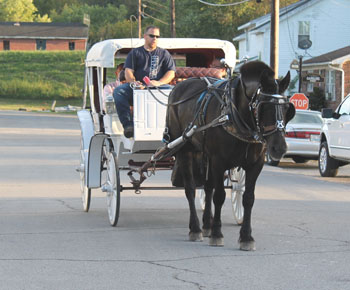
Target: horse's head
{"x": 271, "y": 110}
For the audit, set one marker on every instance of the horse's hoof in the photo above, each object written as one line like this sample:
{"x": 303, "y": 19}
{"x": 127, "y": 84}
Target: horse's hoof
{"x": 216, "y": 242}
{"x": 206, "y": 232}
{"x": 247, "y": 246}
{"x": 194, "y": 237}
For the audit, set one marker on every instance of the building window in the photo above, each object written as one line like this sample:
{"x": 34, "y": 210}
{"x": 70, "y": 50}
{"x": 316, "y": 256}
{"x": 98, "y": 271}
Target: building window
{"x": 330, "y": 85}
{"x": 40, "y": 44}
{"x": 71, "y": 45}
{"x": 247, "y": 40}
{"x": 6, "y": 45}
{"x": 304, "y": 35}
{"x": 310, "y": 87}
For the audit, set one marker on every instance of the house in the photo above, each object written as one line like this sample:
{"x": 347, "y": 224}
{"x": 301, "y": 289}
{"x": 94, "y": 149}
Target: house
{"x": 307, "y": 28}
{"x": 331, "y": 73}
{"x": 43, "y": 36}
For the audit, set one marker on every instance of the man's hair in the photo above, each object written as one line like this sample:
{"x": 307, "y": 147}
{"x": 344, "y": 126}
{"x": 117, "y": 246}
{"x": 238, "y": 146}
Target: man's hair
{"x": 151, "y": 27}
{"x": 122, "y": 76}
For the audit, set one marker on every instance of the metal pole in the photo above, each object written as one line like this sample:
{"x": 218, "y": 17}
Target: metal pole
{"x": 139, "y": 18}
{"x": 274, "y": 38}
{"x": 172, "y": 25}
{"x": 300, "y": 70}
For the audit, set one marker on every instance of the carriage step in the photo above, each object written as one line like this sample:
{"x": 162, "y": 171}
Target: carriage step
{"x": 80, "y": 168}
{"x": 107, "y": 188}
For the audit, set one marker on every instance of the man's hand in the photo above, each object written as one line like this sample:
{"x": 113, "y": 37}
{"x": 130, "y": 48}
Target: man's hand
{"x": 137, "y": 85}
{"x": 154, "y": 83}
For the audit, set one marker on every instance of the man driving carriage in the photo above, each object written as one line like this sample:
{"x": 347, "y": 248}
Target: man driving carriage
{"x": 148, "y": 60}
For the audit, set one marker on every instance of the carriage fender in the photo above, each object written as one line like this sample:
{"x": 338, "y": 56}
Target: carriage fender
{"x": 86, "y": 126}
{"x": 95, "y": 158}
{"x": 87, "y": 131}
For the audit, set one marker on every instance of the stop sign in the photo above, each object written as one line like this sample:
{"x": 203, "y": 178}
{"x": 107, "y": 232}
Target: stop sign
{"x": 300, "y": 101}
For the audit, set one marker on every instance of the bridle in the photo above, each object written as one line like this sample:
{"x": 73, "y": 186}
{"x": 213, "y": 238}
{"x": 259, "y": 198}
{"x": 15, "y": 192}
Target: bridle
{"x": 257, "y": 103}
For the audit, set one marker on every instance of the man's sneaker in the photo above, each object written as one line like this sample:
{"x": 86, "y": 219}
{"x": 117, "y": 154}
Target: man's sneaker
{"x": 129, "y": 132}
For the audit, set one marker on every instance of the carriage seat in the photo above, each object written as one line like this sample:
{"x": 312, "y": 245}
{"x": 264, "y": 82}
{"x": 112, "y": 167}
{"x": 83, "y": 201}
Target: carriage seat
{"x": 183, "y": 73}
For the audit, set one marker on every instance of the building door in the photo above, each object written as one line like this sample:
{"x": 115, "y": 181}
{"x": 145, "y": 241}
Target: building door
{"x": 40, "y": 44}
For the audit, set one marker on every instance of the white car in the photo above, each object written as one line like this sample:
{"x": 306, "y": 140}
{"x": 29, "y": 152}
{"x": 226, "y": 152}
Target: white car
{"x": 335, "y": 139}
{"x": 302, "y": 137}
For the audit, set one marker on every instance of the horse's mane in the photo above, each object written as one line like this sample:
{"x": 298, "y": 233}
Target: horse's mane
{"x": 251, "y": 73}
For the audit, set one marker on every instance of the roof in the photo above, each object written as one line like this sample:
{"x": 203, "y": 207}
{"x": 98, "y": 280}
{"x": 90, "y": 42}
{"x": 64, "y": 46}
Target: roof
{"x": 102, "y": 54}
{"x": 332, "y": 57}
{"x": 266, "y": 19}
{"x": 45, "y": 30}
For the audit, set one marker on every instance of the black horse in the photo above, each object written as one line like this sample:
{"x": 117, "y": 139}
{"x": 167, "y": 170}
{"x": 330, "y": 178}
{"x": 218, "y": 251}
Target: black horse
{"x": 240, "y": 118}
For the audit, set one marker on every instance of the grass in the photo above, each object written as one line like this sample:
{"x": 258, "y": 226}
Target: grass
{"x": 32, "y": 80}
{"x": 41, "y": 74}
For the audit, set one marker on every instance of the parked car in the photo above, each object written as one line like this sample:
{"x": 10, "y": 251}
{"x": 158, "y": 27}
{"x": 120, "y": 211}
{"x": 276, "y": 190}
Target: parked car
{"x": 302, "y": 137}
{"x": 335, "y": 139}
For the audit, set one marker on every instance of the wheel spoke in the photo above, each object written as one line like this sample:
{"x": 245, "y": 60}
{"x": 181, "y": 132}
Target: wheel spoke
{"x": 238, "y": 188}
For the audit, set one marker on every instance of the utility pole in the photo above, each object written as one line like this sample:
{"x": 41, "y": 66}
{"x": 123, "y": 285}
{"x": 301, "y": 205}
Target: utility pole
{"x": 274, "y": 38}
{"x": 139, "y": 18}
{"x": 172, "y": 13}
{"x": 300, "y": 71}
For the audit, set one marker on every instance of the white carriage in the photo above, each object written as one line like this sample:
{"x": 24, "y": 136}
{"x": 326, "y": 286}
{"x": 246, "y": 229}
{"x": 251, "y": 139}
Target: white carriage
{"x": 104, "y": 149}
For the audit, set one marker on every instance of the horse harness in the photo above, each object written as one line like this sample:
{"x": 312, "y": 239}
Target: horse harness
{"x": 230, "y": 118}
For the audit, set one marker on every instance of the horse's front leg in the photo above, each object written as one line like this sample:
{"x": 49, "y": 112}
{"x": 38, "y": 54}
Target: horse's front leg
{"x": 246, "y": 240}
{"x": 186, "y": 160}
{"x": 216, "y": 237}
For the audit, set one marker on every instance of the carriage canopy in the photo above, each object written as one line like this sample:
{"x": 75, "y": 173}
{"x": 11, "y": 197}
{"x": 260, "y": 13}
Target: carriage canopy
{"x": 103, "y": 53}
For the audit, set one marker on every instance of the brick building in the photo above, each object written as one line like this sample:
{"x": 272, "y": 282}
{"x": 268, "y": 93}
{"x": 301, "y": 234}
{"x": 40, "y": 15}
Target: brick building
{"x": 43, "y": 36}
{"x": 331, "y": 73}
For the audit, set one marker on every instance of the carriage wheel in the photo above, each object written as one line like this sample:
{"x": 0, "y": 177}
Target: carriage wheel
{"x": 237, "y": 178}
{"x": 85, "y": 191}
{"x": 111, "y": 183}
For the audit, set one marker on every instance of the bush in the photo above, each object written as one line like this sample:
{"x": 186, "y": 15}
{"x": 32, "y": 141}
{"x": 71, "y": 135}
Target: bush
{"x": 41, "y": 74}
{"x": 317, "y": 99}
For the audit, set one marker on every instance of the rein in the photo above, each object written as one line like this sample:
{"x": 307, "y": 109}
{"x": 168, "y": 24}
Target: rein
{"x": 178, "y": 102}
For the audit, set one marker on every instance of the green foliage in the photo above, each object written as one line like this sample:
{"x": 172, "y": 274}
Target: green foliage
{"x": 100, "y": 17}
{"x": 317, "y": 99}
{"x": 46, "y": 6}
{"x": 111, "y": 18}
{"x": 41, "y": 74}
{"x": 20, "y": 10}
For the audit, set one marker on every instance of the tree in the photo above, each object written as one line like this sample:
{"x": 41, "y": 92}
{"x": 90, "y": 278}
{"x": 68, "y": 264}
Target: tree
{"x": 45, "y": 6}
{"x": 101, "y": 19}
{"x": 20, "y": 10}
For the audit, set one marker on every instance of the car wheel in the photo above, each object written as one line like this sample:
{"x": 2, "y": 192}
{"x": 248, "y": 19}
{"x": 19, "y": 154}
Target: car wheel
{"x": 299, "y": 159}
{"x": 270, "y": 161}
{"x": 327, "y": 166}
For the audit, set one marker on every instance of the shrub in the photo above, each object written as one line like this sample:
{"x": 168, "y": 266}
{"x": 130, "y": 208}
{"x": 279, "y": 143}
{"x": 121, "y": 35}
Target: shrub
{"x": 317, "y": 99}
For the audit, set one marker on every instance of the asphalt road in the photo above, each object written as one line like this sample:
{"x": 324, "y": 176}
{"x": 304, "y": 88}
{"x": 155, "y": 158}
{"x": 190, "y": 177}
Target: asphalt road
{"x": 300, "y": 223}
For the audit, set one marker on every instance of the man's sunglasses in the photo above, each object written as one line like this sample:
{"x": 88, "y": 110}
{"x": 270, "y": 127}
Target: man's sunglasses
{"x": 153, "y": 36}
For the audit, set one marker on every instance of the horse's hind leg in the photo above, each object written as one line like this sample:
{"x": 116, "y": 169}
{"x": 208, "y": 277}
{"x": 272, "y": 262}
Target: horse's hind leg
{"x": 207, "y": 214}
{"x": 186, "y": 160}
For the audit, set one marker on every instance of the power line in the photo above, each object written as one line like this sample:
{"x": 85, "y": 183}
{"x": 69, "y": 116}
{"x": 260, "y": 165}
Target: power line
{"x": 222, "y": 5}
{"x": 144, "y": 14}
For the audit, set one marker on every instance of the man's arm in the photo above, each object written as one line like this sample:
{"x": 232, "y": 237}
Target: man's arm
{"x": 167, "y": 78}
{"x": 129, "y": 75}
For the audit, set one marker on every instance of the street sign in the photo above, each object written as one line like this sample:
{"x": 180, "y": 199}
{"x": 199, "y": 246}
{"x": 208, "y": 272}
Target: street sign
{"x": 294, "y": 64}
{"x": 300, "y": 101}
{"x": 313, "y": 78}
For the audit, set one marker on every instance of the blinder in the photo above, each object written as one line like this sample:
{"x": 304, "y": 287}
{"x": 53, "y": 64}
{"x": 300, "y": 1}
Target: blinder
{"x": 272, "y": 112}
